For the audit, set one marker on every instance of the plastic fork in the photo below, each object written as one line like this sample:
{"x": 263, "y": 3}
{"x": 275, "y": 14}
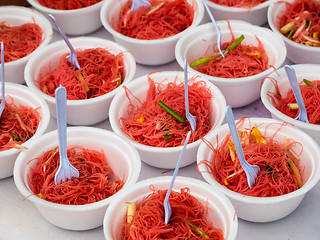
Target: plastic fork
{"x": 250, "y": 170}
{"x": 136, "y": 4}
{"x": 65, "y": 170}
{"x": 215, "y": 25}
{"x": 3, "y": 97}
{"x": 167, "y": 207}
{"x": 291, "y": 74}
{"x": 193, "y": 122}
{"x": 192, "y": 119}
{"x": 72, "y": 58}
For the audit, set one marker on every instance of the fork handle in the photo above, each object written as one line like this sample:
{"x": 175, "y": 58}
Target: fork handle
{"x": 295, "y": 87}
{"x": 61, "y": 110}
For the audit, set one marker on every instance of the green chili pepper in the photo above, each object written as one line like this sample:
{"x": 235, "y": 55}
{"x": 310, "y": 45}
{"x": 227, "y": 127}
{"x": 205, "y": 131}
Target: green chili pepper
{"x": 309, "y": 83}
{"x": 171, "y": 112}
{"x": 167, "y": 136}
{"x": 207, "y": 59}
{"x": 198, "y": 230}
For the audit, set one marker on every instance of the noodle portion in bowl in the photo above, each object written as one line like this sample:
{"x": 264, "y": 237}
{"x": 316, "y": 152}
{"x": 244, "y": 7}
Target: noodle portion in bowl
{"x": 96, "y": 179}
{"x": 288, "y": 160}
{"x": 239, "y": 4}
{"x": 20, "y": 41}
{"x": 159, "y": 20}
{"x": 149, "y": 124}
{"x": 67, "y": 4}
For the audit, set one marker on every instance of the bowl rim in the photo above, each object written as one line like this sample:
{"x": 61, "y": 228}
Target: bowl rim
{"x": 114, "y": 122}
{"x": 265, "y": 88}
{"x": 43, "y": 124}
{"x": 223, "y": 8}
{"x": 28, "y": 194}
{"x": 229, "y": 81}
{"x": 232, "y": 216}
{"x": 105, "y": 7}
{"x": 37, "y": 17}
{"x": 110, "y": 45}
{"x": 259, "y": 200}
{"x": 276, "y": 4}
{"x": 57, "y": 12}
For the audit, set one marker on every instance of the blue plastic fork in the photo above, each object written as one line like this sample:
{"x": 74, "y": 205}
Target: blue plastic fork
{"x": 291, "y": 74}
{"x": 167, "y": 207}
{"x": 136, "y": 4}
{"x": 250, "y": 170}
{"x": 216, "y": 26}
{"x": 3, "y": 97}
{"x": 72, "y": 58}
{"x": 193, "y": 122}
{"x": 192, "y": 119}
{"x": 65, "y": 170}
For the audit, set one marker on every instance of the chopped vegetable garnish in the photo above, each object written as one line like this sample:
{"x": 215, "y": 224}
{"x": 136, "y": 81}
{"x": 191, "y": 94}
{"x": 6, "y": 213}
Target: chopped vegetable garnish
{"x": 309, "y": 83}
{"x": 81, "y": 80}
{"x": 198, "y": 230}
{"x": 140, "y": 119}
{"x": 171, "y": 112}
{"x": 293, "y": 106}
{"x": 167, "y": 136}
{"x": 295, "y": 171}
{"x": 257, "y": 135}
{"x": 131, "y": 210}
{"x": 207, "y": 59}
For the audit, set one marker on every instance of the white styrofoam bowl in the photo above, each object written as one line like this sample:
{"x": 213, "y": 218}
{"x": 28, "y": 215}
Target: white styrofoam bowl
{"x": 148, "y": 52}
{"x": 79, "y": 112}
{"x": 266, "y": 209}
{"x": 256, "y": 15}
{"x": 158, "y": 156}
{"x": 123, "y": 159}
{"x": 238, "y": 92}
{"x": 297, "y": 53}
{"x": 307, "y": 71}
{"x": 221, "y": 212}
{"x": 21, "y": 95}
{"x": 73, "y": 22}
{"x": 16, "y": 16}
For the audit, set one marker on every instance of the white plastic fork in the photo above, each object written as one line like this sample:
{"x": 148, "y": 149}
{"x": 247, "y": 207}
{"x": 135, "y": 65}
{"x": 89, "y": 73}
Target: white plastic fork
{"x": 291, "y": 74}
{"x": 3, "y": 97}
{"x": 216, "y": 26}
{"x": 193, "y": 122}
{"x": 192, "y": 119}
{"x": 136, "y": 4}
{"x": 65, "y": 170}
{"x": 72, "y": 58}
{"x": 250, "y": 170}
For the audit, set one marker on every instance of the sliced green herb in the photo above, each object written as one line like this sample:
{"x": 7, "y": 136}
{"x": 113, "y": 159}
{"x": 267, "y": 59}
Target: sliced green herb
{"x": 207, "y": 59}
{"x": 171, "y": 112}
{"x": 291, "y": 32}
{"x": 309, "y": 83}
{"x": 270, "y": 170}
{"x": 167, "y": 136}
{"x": 15, "y": 136}
{"x": 287, "y": 28}
{"x": 198, "y": 230}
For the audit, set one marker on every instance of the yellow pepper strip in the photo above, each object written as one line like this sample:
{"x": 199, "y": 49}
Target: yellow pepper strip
{"x": 198, "y": 230}
{"x": 81, "y": 80}
{"x": 257, "y": 135}
{"x": 315, "y": 35}
{"x": 231, "y": 175}
{"x": 40, "y": 195}
{"x": 295, "y": 171}
{"x": 258, "y": 54}
{"x": 154, "y": 8}
{"x": 140, "y": 119}
{"x": 232, "y": 150}
{"x": 131, "y": 210}
{"x": 293, "y": 106}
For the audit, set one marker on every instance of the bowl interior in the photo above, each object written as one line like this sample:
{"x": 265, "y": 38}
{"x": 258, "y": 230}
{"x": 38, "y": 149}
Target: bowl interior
{"x": 121, "y": 157}
{"x": 48, "y": 60}
{"x": 221, "y": 212}
{"x": 199, "y": 43}
{"x": 303, "y": 71}
{"x": 139, "y": 88}
{"x": 309, "y": 158}
{"x": 110, "y": 15}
